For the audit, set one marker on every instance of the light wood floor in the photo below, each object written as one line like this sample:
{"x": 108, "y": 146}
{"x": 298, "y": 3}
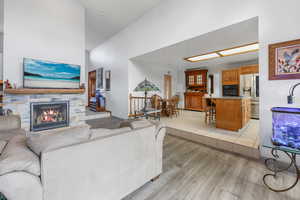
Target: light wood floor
{"x": 195, "y": 172}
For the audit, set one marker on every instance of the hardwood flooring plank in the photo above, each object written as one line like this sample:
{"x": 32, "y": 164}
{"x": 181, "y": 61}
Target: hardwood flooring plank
{"x": 195, "y": 172}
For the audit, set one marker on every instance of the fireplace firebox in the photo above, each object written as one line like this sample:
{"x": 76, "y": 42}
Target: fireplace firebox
{"x": 49, "y": 115}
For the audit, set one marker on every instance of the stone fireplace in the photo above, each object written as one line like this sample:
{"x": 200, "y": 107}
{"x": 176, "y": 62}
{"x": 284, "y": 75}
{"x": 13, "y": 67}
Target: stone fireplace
{"x": 22, "y": 105}
{"x": 49, "y": 115}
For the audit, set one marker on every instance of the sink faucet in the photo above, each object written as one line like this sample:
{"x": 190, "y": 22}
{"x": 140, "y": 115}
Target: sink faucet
{"x": 291, "y": 98}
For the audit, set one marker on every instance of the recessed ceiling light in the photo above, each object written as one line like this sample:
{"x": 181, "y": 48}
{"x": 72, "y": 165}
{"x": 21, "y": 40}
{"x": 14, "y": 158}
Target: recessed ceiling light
{"x": 203, "y": 57}
{"x": 240, "y": 50}
{"x": 225, "y": 52}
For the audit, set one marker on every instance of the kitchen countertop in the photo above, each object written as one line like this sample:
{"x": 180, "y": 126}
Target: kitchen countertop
{"x": 227, "y": 97}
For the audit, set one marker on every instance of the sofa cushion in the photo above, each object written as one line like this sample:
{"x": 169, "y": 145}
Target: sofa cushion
{"x": 8, "y": 134}
{"x": 102, "y": 132}
{"x": 10, "y": 122}
{"x": 2, "y": 145}
{"x": 140, "y": 124}
{"x": 16, "y": 156}
{"x": 56, "y": 139}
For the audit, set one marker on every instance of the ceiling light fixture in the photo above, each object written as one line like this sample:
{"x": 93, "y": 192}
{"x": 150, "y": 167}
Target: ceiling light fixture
{"x": 240, "y": 50}
{"x": 225, "y": 52}
{"x": 203, "y": 57}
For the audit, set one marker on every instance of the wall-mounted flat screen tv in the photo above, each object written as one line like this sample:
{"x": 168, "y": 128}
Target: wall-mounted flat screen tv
{"x": 46, "y": 74}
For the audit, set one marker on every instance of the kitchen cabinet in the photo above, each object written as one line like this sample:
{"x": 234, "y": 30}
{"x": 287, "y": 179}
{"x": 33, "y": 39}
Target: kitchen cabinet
{"x": 246, "y": 111}
{"x": 193, "y": 101}
{"x": 232, "y": 113}
{"x": 231, "y": 77}
{"x": 250, "y": 69}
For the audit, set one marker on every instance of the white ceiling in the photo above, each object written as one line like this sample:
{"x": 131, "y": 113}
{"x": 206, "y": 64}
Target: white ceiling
{"x": 104, "y": 18}
{"x": 238, "y": 34}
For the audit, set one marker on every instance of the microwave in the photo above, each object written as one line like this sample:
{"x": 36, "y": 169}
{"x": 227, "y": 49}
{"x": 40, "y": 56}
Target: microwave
{"x": 230, "y": 90}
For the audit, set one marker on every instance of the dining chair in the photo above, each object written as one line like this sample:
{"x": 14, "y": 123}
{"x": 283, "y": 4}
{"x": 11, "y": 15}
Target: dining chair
{"x": 171, "y": 107}
{"x": 156, "y": 101}
{"x": 175, "y": 101}
{"x": 209, "y": 110}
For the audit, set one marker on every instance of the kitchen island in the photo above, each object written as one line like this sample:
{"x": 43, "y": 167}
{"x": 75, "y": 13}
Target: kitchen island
{"x": 232, "y": 113}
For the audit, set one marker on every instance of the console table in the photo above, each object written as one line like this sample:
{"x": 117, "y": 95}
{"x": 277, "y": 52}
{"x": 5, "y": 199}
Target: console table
{"x": 272, "y": 165}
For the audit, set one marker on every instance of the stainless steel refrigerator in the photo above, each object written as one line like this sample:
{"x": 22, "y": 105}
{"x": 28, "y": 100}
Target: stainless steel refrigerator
{"x": 249, "y": 87}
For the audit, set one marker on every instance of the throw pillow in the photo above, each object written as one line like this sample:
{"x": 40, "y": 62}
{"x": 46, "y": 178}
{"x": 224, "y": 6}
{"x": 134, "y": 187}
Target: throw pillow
{"x": 41, "y": 143}
{"x": 17, "y": 157}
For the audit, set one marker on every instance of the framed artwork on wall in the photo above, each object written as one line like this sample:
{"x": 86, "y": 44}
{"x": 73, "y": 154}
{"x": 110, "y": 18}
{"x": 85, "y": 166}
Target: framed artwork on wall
{"x": 99, "y": 78}
{"x": 49, "y": 74}
{"x": 107, "y": 80}
{"x": 284, "y": 60}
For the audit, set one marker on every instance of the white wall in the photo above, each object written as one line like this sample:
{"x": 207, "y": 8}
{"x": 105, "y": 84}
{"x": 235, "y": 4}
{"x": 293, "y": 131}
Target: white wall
{"x": 87, "y": 65}
{"x": 1, "y": 66}
{"x": 1, "y": 37}
{"x": 154, "y": 73}
{"x": 49, "y": 29}
{"x": 1, "y": 15}
{"x": 174, "y": 21}
{"x": 1, "y": 42}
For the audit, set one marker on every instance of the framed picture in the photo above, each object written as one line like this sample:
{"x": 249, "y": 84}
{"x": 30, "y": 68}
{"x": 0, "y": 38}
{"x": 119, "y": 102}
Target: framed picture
{"x": 107, "y": 80}
{"x": 284, "y": 60}
{"x": 99, "y": 78}
{"x": 48, "y": 74}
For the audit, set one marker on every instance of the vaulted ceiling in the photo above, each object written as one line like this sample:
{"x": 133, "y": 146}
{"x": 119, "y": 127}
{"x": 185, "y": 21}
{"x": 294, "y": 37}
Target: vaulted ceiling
{"x": 242, "y": 33}
{"x": 104, "y": 18}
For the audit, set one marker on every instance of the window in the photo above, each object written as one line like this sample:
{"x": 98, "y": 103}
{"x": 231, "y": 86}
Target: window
{"x": 191, "y": 80}
{"x": 199, "y": 79}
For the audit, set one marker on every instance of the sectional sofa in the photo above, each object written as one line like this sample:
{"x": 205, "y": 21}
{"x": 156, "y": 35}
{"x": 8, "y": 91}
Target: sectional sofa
{"x": 78, "y": 163}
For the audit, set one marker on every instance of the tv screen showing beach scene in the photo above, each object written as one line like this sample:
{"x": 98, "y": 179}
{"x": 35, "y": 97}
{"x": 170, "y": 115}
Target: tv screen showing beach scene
{"x": 46, "y": 74}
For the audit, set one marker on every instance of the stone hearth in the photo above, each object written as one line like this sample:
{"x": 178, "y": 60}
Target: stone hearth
{"x": 20, "y": 105}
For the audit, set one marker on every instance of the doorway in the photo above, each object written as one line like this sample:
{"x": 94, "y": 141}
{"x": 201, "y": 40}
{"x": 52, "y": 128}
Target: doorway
{"x": 167, "y": 86}
{"x": 91, "y": 85}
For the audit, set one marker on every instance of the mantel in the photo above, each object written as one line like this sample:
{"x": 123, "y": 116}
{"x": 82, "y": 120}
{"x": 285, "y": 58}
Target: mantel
{"x": 43, "y": 91}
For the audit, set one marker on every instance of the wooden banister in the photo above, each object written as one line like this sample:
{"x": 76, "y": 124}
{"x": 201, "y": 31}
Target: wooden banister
{"x": 136, "y": 104}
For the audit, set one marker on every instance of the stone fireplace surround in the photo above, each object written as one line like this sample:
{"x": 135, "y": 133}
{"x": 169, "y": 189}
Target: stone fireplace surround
{"x": 20, "y": 105}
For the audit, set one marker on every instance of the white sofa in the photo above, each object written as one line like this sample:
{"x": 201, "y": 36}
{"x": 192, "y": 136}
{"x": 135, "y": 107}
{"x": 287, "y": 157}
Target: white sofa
{"x": 105, "y": 168}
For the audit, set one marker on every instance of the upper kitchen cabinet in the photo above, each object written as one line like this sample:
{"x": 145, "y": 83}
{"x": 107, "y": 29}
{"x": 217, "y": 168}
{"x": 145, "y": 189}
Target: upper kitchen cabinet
{"x": 231, "y": 77}
{"x": 196, "y": 79}
{"x": 250, "y": 69}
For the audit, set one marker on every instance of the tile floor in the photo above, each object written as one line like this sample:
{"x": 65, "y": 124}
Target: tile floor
{"x": 90, "y": 115}
{"x": 190, "y": 125}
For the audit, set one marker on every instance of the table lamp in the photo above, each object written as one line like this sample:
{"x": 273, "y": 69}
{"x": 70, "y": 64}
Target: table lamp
{"x": 146, "y": 86}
